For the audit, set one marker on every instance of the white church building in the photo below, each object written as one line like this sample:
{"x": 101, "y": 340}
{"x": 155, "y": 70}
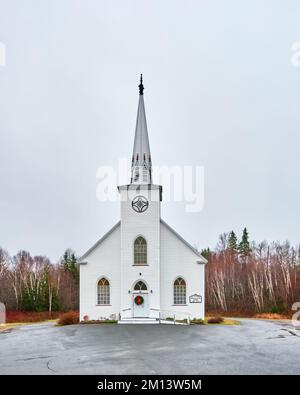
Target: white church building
{"x": 141, "y": 270}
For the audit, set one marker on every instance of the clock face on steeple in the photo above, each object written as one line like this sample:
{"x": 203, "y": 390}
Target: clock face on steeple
{"x": 140, "y": 204}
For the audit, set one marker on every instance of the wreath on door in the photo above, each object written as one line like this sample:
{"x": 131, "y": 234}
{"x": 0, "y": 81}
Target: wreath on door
{"x": 138, "y": 300}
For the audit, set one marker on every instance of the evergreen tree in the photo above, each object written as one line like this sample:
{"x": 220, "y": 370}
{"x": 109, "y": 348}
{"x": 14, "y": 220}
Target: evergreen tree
{"x": 73, "y": 262}
{"x": 73, "y": 267}
{"x": 66, "y": 260}
{"x": 232, "y": 241}
{"x": 244, "y": 245}
{"x": 205, "y": 253}
{"x": 36, "y": 296}
{"x": 69, "y": 263}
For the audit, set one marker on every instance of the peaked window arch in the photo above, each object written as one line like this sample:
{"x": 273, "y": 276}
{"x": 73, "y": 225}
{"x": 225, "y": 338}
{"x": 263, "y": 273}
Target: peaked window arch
{"x": 140, "y": 251}
{"x": 103, "y": 291}
{"x": 179, "y": 291}
{"x": 140, "y": 286}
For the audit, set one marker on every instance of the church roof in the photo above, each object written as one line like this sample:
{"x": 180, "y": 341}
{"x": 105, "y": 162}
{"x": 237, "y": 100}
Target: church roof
{"x": 141, "y": 158}
{"x": 81, "y": 260}
{"x": 201, "y": 260}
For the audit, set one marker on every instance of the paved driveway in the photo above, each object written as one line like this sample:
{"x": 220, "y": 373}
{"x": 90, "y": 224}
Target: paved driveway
{"x": 254, "y": 347}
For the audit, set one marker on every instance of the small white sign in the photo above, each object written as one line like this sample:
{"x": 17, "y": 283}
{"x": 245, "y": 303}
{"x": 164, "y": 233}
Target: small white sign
{"x": 195, "y": 298}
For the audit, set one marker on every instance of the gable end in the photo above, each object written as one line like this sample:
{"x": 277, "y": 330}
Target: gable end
{"x": 202, "y": 259}
{"x": 83, "y": 257}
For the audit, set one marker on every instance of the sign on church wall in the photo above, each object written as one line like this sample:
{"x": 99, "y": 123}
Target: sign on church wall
{"x": 195, "y": 298}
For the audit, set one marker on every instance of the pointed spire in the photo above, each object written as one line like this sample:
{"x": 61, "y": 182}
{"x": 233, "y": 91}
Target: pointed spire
{"x": 141, "y": 159}
{"x": 141, "y": 86}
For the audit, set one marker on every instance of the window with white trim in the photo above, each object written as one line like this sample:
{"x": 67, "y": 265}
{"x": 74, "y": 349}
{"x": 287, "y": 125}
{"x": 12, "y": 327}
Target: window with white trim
{"x": 140, "y": 251}
{"x": 103, "y": 291}
{"x": 179, "y": 291}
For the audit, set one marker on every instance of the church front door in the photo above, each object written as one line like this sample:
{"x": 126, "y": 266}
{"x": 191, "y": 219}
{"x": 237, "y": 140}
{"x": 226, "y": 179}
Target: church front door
{"x": 140, "y": 305}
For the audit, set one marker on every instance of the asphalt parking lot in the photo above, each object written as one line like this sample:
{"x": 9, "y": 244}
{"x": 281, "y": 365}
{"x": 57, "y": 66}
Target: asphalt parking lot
{"x": 254, "y": 347}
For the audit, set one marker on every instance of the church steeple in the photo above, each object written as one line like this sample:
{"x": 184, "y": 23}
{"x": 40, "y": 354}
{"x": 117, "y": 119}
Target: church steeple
{"x": 141, "y": 166}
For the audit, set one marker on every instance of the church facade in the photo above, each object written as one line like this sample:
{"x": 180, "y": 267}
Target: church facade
{"x": 141, "y": 270}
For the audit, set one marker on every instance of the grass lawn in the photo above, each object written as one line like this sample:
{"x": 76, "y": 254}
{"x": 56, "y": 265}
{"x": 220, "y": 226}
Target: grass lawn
{"x": 226, "y": 321}
{"x": 5, "y": 327}
{"x": 15, "y": 319}
{"x": 243, "y": 314}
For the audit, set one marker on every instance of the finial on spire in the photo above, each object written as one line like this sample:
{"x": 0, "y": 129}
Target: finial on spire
{"x": 141, "y": 86}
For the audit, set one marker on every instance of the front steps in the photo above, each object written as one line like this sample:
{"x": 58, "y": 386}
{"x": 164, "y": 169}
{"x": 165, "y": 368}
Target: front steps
{"x": 145, "y": 320}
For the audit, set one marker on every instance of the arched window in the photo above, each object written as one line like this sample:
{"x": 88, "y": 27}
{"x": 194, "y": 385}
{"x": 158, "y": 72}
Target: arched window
{"x": 140, "y": 251}
{"x": 140, "y": 286}
{"x": 179, "y": 291}
{"x": 103, "y": 291}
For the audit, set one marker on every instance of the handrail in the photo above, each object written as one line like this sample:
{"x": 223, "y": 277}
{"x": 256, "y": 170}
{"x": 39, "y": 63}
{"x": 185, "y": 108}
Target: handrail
{"x": 182, "y": 317}
{"x": 174, "y": 311}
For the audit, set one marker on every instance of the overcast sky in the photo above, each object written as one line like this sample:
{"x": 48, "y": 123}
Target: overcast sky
{"x": 220, "y": 92}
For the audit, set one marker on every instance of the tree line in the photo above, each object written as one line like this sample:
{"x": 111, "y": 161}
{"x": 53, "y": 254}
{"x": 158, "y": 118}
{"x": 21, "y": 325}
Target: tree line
{"x": 240, "y": 275}
{"x": 35, "y": 284}
{"x": 252, "y": 277}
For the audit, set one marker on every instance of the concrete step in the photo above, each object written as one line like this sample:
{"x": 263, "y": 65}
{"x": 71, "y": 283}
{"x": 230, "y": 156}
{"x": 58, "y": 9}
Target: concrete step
{"x": 143, "y": 321}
